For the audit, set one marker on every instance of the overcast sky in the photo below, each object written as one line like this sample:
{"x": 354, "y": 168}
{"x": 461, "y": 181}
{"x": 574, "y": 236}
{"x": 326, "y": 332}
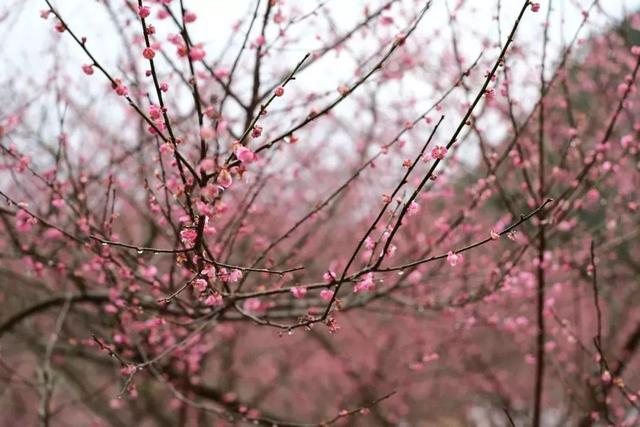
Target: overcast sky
{"x": 25, "y": 37}
{"x": 23, "y": 34}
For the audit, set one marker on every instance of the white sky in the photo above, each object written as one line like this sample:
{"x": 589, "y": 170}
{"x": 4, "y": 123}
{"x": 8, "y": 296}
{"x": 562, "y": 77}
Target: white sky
{"x": 22, "y": 39}
{"x": 25, "y": 38}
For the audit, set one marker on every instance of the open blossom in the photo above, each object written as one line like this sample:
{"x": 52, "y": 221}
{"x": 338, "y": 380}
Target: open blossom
{"x": 439, "y": 152}
{"x": 223, "y": 274}
{"x": 155, "y": 112}
{"x": 298, "y": 292}
{"x": 326, "y": 295}
{"x": 365, "y": 285}
{"x": 454, "y": 259}
{"x": 210, "y": 191}
{"x": 214, "y": 300}
{"x": 149, "y": 272}
{"x": 234, "y": 276}
{"x": 369, "y": 243}
{"x": 245, "y": 155}
{"x": 224, "y": 178}
{"x": 626, "y": 140}
{"x": 209, "y": 272}
{"x": 200, "y": 285}
{"x": 24, "y": 221}
{"x": 391, "y": 251}
{"x": 207, "y": 166}
{"x": 254, "y": 305}
{"x": 188, "y": 236}
{"x": 329, "y": 276}
{"x": 494, "y": 235}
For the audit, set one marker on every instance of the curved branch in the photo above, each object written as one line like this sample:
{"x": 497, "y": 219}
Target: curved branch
{"x": 93, "y": 298}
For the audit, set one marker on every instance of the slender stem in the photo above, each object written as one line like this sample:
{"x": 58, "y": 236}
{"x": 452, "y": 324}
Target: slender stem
{"x": 542, "y": 243}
